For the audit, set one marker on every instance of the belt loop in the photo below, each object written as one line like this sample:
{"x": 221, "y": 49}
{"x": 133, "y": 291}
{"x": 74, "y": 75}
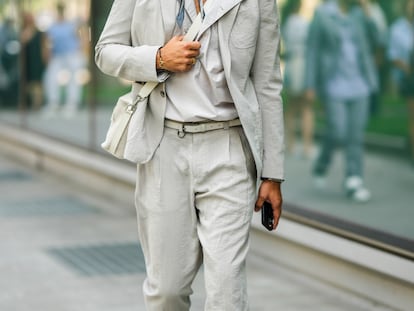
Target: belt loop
{"x": 226, "y": 125}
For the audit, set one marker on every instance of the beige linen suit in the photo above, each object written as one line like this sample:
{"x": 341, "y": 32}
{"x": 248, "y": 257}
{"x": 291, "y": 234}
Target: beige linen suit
{"x": 178, "y": 228}
{"x": 248, "y": 35}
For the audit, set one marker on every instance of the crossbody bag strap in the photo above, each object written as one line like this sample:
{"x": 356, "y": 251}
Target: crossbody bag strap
{"x": 191, "y": 34}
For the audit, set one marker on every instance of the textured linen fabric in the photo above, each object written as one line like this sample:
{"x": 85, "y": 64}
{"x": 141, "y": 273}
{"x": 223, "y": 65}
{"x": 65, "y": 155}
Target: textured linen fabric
{"x": 195, "y": 200}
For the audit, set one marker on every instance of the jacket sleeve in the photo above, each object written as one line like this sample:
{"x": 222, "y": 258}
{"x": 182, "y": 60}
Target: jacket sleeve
{"x": 267, "y": 80}
{"x": 115, "y": 54}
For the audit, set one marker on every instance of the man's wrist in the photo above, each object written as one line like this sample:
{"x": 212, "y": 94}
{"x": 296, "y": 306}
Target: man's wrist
{"x": 160, "y": 61}
{"x": 276, "y": 180}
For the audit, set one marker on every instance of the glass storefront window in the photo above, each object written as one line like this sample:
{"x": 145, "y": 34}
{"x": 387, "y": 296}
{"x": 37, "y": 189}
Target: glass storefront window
{"x": 385, "y": 220}
{"x": 53, "y": 87}
{"x": 349, "y": 146}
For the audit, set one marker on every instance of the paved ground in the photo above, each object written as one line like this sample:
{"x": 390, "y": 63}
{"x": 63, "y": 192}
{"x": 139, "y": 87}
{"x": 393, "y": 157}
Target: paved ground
{"x": 66, "y": 250}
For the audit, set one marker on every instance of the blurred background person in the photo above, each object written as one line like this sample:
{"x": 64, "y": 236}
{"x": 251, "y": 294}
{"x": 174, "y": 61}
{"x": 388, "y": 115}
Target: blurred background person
{"x": 65, "y": 63}
{"x": 294, "y": 35}
{"x": 32, "y": 49}
{"x": 9, "y": 64}
{"x": 400, "y": 45}
{"x": 401, "y": 55}
{"x": 377, "y": 15}
{"x": 341, "y": 72}
{"x": 376, "y": 28}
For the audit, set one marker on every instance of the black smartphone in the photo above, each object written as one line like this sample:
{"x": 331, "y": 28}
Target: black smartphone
{"x": 267, "y": 216}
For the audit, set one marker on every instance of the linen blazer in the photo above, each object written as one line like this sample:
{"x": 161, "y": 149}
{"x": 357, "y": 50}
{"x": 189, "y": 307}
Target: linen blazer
{"x": 248, "y": 41}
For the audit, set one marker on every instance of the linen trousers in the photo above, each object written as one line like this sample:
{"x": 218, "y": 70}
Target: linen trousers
{"x": 194, "y": 204}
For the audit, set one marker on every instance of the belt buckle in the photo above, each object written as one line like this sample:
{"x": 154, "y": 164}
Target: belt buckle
{"x": 181, "y": 133}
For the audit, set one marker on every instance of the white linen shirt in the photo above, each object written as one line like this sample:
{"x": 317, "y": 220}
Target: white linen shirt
{"x": 206, "y": 96}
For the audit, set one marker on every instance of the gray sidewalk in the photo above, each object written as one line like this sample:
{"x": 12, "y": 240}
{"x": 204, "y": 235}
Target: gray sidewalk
{"x": 63, "y": 249}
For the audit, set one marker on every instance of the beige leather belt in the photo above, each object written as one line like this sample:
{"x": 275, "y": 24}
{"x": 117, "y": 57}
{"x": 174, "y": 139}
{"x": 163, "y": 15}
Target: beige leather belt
{"x": 199, "y": 127}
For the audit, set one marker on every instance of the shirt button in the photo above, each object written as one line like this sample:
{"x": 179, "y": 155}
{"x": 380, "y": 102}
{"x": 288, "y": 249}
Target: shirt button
{"x": 162, "y": 94}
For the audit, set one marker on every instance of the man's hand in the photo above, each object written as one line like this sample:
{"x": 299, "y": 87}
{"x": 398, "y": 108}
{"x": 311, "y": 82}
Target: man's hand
{"x": 270, "y": 191}
{"x": 178, "y": 55}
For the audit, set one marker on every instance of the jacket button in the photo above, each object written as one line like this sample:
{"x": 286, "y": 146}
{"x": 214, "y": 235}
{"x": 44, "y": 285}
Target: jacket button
{"x": 162, "y": 93}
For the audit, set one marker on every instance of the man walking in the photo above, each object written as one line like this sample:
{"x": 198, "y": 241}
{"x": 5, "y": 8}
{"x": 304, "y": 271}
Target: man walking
{"x": 209, "y": 135}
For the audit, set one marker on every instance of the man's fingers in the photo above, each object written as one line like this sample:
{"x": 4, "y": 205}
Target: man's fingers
{"x": 179, "y": 55}
{"x": 276, "y": 216}
{"x": 259, "y": 203}
{"x": 194, "y": 45}
{"x": 177, "y": 38}
{"x": 277, "y": 212}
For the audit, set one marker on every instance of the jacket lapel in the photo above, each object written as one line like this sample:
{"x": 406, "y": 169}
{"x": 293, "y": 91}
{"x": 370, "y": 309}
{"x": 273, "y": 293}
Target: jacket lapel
{"x": 224, "y": 27}
{"x": 214, "y": 13}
